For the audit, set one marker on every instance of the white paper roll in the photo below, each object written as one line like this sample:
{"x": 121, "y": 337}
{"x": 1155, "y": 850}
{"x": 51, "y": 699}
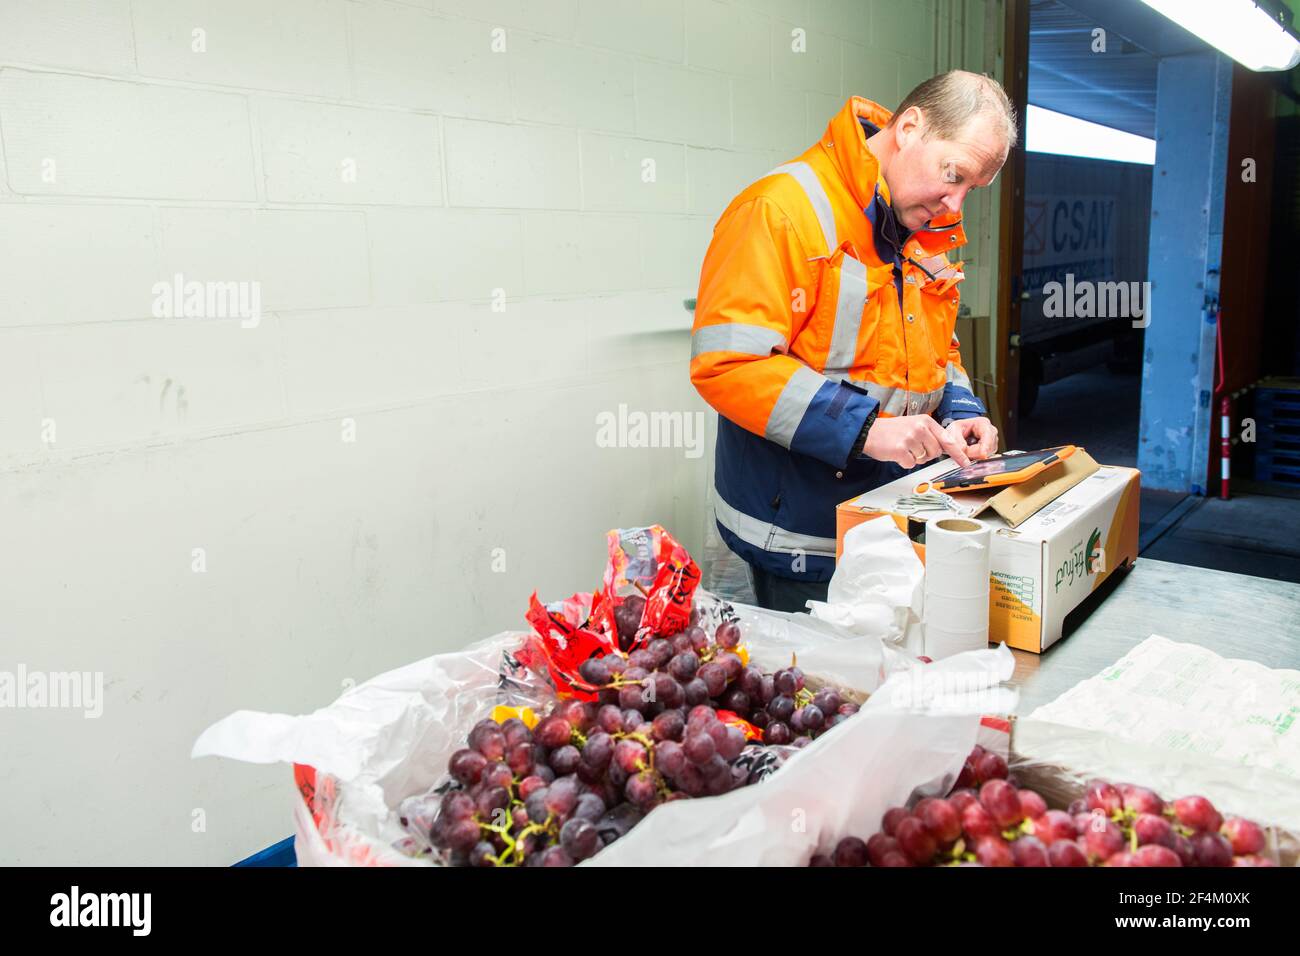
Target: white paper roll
{"x": 956, "y": 613}
{"x": 940, "y": 643}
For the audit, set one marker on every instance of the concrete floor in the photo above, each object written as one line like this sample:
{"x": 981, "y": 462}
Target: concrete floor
{"x": 1255, "y": 532}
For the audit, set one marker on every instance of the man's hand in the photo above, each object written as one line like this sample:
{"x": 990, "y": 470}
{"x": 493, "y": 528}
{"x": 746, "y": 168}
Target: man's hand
{"x": 910, "y": 440}
{"x": 963, "y": 429}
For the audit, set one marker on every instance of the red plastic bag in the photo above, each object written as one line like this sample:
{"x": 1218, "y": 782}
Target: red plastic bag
{"x": 651, "y": 560}
{"x": 565, "y": 634}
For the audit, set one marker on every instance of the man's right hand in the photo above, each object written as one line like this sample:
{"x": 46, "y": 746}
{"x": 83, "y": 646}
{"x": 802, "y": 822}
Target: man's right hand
{"x": 911, "y": 440}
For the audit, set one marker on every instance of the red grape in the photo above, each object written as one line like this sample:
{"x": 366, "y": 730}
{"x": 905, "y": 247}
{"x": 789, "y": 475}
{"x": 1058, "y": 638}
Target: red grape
{"x": 516, "y": 732}
{"x": 991, "y": 766}
{"x": 1100, "y": 795}
{"x": 1152, "y": 829}
{"x": 777, "y": 733}
{"x": 1104, "y": 842}
{"x": 530, "y": 785}
{"x": 916, "y": 841}
{"x": 1054, "y": 825}
{"x": 629, "y": 755}
{"x": 565, "y": 760}
{"x": 714, "y": 677}
{"x": 553, "y": 731}
{"x": 579, "y": 838}
{"x": 519, "y": 759}
{"x": 555, "y": 856}
{"x": 878, "y": 846}
{"x": 1141, "y": 799}
{"x": 967, "y": 778}
{"x": 1197, "y": 813}
{"x": 1246, "y": 837}
{"x": 1252, "y": 860}
{"x": 1029, "y": 851}
{"x": 1066, "y": 853}
{"x": 993, "y": 851}
{"x": 733, "y": 742}
{"x": 467, "y": 766}
{"x": 699, "y": 748}
{"x": 961, "y": 799}
{"x": 781, "y": 708}
{"x": 893, "y": 816}
{"x": 1155, "y": 855}
{"x": 497, "y": 775}
{"x": 610, "y": 719}
{"x": 684, "y": 666}
{"x": 850, "y": 852}
{"x": 457, "y": 805}
{"x": 1212, "y": 849}
{"x": 977, "y": 822}
{"x": 598, "y": 750}
{"x": 727, "y": 634}
{"x": 462, "y": 835}
{"x": 731, "y": 664}
{"x": 1032, "y": 804}
{"x": 670, "y": 757}
{"x": 1002, "y": 802}
{"x": 896, "y": 858}
{"x": 668, "y": 726}
{"x": 941, "y": 819}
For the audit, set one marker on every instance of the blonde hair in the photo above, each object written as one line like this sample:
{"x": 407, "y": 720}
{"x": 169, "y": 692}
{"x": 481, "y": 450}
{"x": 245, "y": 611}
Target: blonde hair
{"x": 951, "y": 100}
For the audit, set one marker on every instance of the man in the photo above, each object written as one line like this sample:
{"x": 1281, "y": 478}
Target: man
{"x": 824, "y": 326}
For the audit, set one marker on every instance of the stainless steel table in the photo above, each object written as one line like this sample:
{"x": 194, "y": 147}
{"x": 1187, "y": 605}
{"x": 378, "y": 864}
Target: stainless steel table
{"x": 1234, "y": 615}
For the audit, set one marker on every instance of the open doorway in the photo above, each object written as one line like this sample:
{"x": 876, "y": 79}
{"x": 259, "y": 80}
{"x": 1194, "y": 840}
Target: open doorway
{"x": 1090, "y": 138}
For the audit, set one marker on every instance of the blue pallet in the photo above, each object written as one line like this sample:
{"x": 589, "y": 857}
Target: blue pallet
{"x": 1286, "y": 471}
{"x": 1275, "y": 436}
{"x": 1281, "y": 404}
{"x": 277, "y": 854}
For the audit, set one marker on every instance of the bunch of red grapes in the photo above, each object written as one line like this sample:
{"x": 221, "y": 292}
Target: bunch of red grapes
{"x": 988, "y": 821}
{"x": 585, "y": 774}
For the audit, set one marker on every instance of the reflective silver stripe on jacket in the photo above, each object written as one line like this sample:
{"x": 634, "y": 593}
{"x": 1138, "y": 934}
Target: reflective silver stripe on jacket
{"x": 957, "y": 377}
{"x": 849, "y": 306}
{"x": 792, "y": 405}
{"x": 896, "y": 401}
{"x": 821, "y": 203}
{"x": 737, "y": 337}
{"x": 851, "y": 300}
{"x": 767, "y": 536}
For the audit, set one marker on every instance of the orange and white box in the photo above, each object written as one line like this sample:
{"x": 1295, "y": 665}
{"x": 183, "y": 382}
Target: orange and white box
{"x": 1044, "y": 567}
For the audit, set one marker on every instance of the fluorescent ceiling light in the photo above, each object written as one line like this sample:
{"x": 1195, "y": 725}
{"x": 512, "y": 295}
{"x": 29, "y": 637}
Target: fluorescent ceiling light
{"x": 1249, "y": 34}
{"x": 1047, "y": 131}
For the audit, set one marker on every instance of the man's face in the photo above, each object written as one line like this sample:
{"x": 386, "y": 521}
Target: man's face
{"x": 930, "y": 177}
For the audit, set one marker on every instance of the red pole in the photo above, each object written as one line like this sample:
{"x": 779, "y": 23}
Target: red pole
{"x": 1225, "y": 444}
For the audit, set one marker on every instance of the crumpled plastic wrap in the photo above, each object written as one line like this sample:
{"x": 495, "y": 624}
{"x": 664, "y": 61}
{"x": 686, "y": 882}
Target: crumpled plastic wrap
{"x": 878, "y": 586}
{"x": 360, "y": 761}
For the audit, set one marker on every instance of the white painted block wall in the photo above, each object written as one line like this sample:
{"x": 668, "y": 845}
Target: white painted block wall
{"x": 128, "y": 441}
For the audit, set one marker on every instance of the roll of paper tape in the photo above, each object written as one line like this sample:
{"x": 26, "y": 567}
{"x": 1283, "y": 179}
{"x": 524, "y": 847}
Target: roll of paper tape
{"x": 956, "y": 609}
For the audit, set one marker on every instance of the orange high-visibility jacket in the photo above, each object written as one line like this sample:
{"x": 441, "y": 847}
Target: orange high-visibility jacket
{"x": 814, "y": 309}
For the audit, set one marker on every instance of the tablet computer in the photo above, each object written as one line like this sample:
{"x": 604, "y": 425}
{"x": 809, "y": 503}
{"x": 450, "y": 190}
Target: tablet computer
{"x": 1009, "y": 469}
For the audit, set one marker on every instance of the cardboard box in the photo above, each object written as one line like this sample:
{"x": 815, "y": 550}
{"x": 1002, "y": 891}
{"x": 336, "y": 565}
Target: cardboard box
{"x": 1048, "y": 561}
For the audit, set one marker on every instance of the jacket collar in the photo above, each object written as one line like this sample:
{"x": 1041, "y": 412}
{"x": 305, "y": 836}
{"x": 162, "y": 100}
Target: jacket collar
{"x": 845, "y": 142}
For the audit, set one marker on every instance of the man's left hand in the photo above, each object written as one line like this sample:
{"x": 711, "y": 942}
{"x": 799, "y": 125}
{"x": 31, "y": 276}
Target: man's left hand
{"x": 963, "y": 429}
